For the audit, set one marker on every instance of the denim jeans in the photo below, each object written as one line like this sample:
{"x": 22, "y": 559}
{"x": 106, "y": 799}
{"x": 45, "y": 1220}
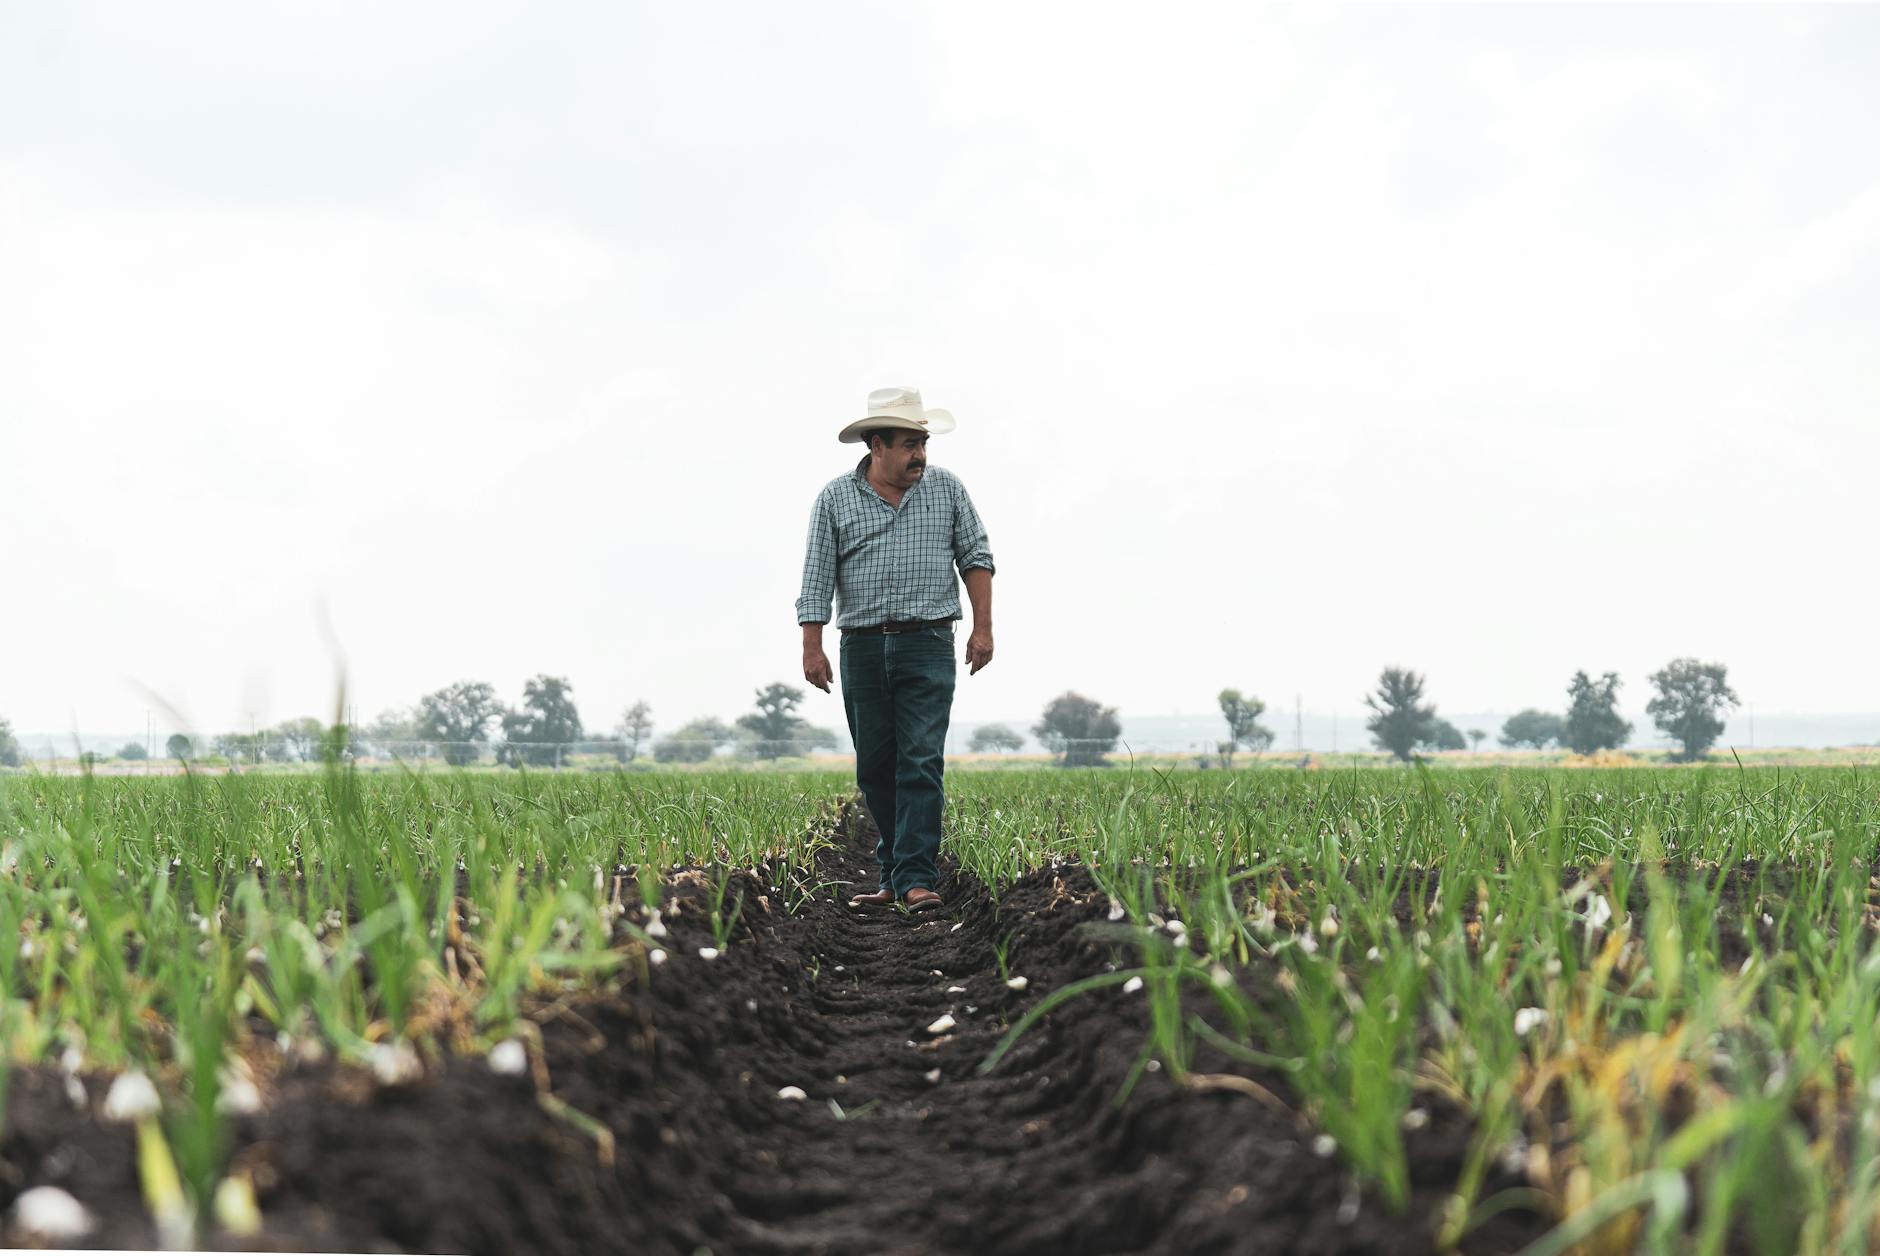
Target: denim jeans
{"x": 898, "y": 693}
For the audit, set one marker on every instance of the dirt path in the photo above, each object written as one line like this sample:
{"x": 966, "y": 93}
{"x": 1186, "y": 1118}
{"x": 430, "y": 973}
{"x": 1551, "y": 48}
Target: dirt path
{"x": 902, "y": 1145}
{"x": 663, "y": 1130}
{"x": 922, "y": 1143}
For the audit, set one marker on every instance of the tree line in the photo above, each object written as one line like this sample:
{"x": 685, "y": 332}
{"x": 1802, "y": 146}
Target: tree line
{"x": 1690, "y": 700}
{"x": 466, "y": 721}
{"x": 466, "y": 718}
{"x": 1078, "y": 731}
{"x": 1082, "y": 732}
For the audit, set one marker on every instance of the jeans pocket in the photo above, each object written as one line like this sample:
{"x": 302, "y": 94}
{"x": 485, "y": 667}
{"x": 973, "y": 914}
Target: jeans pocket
{"x": 943, "y": 654}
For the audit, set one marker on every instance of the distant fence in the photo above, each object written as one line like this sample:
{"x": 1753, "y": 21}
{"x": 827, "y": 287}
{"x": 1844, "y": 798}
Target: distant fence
{"x": 307, "y": 751}
{"x": 597, "y": 754}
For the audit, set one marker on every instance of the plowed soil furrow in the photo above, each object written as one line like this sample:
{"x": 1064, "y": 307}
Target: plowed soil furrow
{"x": 903, "y": 1145}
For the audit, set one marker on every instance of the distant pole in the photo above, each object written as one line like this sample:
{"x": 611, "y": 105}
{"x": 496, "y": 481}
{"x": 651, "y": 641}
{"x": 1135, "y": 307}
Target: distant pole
{"x": 1299, "y": 723}
{"x": 1752, "y": 726}
{"x": 1334, "y": 732}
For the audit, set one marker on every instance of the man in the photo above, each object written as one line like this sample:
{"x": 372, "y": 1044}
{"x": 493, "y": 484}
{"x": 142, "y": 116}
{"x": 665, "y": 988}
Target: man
{"x": 884, "y": 541}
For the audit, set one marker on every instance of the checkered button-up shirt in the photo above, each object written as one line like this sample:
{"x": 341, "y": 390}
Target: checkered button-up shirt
{"x": 885, "y": 563}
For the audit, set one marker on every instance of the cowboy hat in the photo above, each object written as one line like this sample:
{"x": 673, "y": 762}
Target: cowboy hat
{"x": 897, "y": 407}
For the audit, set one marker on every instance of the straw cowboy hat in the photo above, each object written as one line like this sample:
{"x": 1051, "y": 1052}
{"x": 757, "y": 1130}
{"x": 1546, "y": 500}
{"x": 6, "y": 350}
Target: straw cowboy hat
{"x": 897, "y": 407}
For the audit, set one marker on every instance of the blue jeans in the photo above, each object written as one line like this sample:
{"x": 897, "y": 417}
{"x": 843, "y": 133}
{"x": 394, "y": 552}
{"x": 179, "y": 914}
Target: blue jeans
{"x": 898, "y": 693}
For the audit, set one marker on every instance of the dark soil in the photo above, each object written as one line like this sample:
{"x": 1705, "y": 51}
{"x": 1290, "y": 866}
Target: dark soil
{"x": 682, "y": 1064}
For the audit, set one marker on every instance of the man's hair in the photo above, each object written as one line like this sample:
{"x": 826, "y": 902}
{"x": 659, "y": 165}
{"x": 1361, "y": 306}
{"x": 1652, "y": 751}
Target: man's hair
{"x": 888, "y": 435}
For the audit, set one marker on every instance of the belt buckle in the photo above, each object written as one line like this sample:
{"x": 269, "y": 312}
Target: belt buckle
{"x": 889, "y": 631}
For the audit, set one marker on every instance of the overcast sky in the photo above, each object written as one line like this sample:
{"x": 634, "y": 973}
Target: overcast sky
{"x": 1284, "y": 344}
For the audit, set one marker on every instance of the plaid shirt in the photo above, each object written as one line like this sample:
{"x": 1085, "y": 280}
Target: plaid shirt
{"x": 888, "y": 564}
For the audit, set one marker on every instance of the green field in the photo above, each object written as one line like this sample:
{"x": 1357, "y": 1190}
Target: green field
{"x": 1654, "y": 992}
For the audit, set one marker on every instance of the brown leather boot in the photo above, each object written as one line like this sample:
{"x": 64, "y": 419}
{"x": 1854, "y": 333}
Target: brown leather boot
{"x": 880, "y": 898}
{"x": 918, "y": 899}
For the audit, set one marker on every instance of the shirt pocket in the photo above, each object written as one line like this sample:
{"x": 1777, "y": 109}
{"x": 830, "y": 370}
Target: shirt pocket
{"x": 857, "y": 534}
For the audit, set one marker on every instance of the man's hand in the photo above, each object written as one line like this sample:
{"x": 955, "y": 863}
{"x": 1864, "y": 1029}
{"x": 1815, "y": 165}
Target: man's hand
{"x": 816, "y": 667}
{"x": 978, "y": 650}
{"x": 979, "y": 592}
{"x": 815, "y": 662}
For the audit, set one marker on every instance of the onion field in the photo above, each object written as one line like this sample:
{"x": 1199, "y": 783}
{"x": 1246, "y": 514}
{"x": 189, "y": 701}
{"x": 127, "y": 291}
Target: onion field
{"x": 1417, "y": 1010}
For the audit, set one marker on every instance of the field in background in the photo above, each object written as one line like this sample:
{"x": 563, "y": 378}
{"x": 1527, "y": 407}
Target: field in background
{"x": 1768, "y": 756}
{"x": 1651, "y": 993}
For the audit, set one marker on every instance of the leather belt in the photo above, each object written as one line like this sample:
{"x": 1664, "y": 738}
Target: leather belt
{"x": 892, "y": 627}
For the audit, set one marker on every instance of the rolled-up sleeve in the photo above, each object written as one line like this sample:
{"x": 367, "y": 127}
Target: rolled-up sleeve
{"x": 970, "y": 547}
{"x": 817, "y": 599}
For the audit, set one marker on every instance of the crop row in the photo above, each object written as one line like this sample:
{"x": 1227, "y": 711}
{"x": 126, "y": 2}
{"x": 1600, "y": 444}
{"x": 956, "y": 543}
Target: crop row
{"x": 1654, "y": 992}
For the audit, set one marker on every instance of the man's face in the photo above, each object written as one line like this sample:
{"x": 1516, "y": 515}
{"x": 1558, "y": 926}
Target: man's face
{"x": 902, "y": 461}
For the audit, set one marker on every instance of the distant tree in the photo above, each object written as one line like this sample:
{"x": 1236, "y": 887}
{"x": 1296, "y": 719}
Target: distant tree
{"x": 348, "y": 741}
{"x": 775, "y": 714}
{"x": 1476, "y": 736}
{"x": 239, "y": 747}
{"x": 1400, "y": 721}
{"x": 993, "y": 738}
{"x": 133, "y": 750}
{"x": 390, "y": 733}
{"x": 294, "y": 741}
{"x": 180, "y": 748}
{"x": 10, "y": 754}
{"x": 1537, "y": 729}
{"x": 635, "y": 727}
{"x": 460, "y": 716}
{"x": 544, "y": 725}
{"x": 692, "y": 743}
{"x": 1445, "y": 736}
{"x": 1692, "y": 699}
{"x": 516, "y": 747}
{"x": 1078, "y": 730}
{"x": 774, "y": 729}
{"x": 550, "y": 699}
{"x": 1243, "y": 724}
{"x": 804, "y": 737}
{"x": 1593, "y": 722}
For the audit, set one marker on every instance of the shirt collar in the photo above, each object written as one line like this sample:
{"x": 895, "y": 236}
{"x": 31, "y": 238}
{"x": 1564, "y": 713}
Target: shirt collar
{"x": 861, "y": 478}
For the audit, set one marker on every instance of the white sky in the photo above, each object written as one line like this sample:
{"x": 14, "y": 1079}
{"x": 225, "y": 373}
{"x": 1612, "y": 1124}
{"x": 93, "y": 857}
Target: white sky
{"x": 1284, "y": 345}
